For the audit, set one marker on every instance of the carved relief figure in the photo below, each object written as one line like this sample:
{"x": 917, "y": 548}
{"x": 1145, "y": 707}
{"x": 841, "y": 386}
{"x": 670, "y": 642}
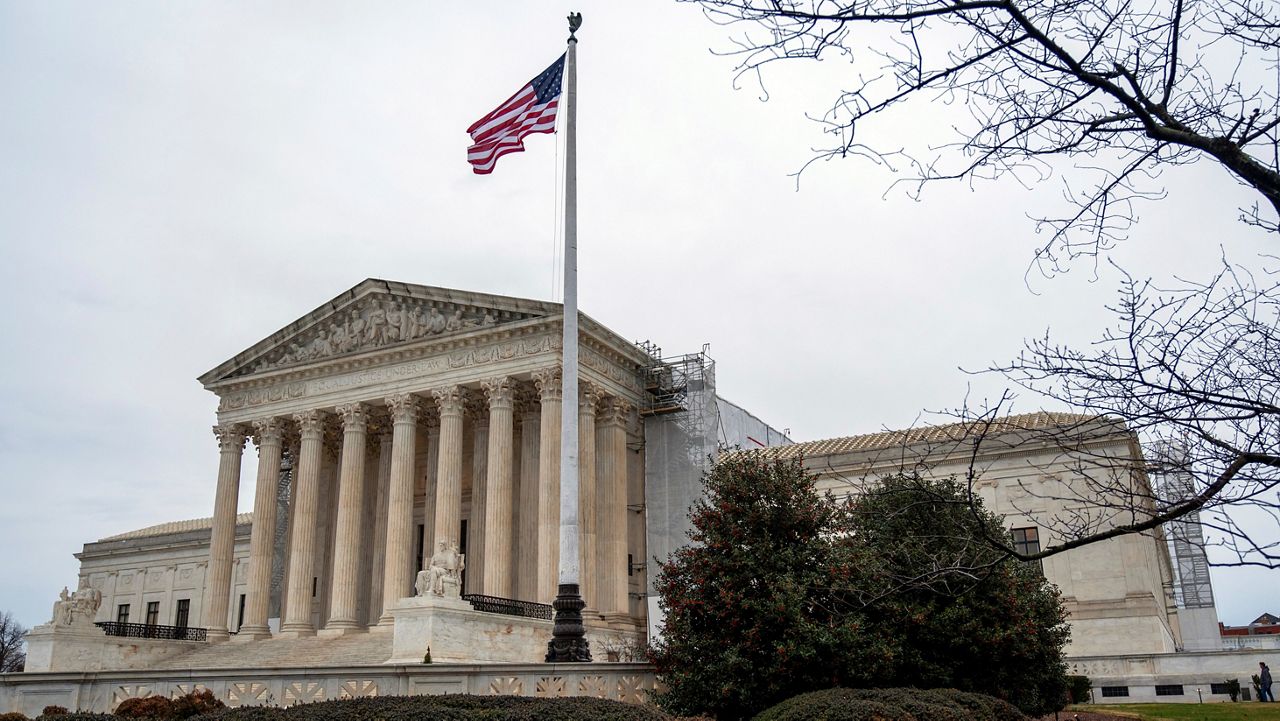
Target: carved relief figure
{"x": 375, "y": 331}
{"x": 454, "y": 322}
{"x": 395, "y": 322}
{"x": 438, "y": 323}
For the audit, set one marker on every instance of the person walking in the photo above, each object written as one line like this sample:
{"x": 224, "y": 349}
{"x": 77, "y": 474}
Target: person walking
{"x": 1264, "y": 684}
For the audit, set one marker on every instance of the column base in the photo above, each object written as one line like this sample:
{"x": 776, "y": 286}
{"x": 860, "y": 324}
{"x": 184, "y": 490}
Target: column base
{"x": 304, "y": 632}
{"x": 217, "y": 635}
{"x": 340, "y": 631}
{"x": 619, "y": 621}
{"x": 254, "y": 633}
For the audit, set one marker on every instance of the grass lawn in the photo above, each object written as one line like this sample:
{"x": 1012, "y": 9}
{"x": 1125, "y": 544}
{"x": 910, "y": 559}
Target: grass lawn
{"x": 1244, "y": 711}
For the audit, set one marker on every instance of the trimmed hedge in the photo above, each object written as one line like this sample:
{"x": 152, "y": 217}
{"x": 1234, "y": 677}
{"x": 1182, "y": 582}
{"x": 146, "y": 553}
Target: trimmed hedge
{"x": 892, "y": 704}
{"x": 54, "y": 711}
{"x": 450, "y": 707}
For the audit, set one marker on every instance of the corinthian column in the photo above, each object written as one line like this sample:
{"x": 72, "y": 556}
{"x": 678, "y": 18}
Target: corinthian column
{"x": 263, "y": 535}
{"x": 527, "y": 561}
{"x": 547, "y": 381}
{"x": 379, "y": 538}
{"x": 499, "y": 503}
{"x": 302, "y": 540}
{"x": 451, "y": 401}
{"x": 588, "y": 397}
{"x": 343, "y": 594}
{"x": 397, "y": 575}
{"x": 611, "y": 436}
{"x": 223, "y": 536}
{"x": 479, "y": 414}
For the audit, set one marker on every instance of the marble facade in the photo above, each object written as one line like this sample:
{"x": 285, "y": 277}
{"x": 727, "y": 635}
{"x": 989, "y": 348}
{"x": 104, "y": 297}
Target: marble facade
{"x": 413, "y": 413}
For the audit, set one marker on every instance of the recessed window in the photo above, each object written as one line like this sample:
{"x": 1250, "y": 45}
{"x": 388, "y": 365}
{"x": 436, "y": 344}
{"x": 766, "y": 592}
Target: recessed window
{"x": 1169, "y": 690}
{"x": 153, "y": 613}
{"x": 1220, "y": 689}
{"x": 183, "y": 615}
{"x": 1114, "y": 691}
{"x": 122, "y": 613}
{"x": 1026, "y": 541}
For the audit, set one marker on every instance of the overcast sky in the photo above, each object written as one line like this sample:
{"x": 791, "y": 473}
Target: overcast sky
{"x": 179, "y": 180}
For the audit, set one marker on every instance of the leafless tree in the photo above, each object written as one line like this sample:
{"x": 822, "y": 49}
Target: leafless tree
{"x": 13, "y": 657}
{"x": 1119, "y": 89}
{"x": 1192, "y": 372}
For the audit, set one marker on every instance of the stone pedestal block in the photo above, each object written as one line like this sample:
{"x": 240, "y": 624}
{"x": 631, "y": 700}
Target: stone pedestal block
{"x": 458, "y": 634}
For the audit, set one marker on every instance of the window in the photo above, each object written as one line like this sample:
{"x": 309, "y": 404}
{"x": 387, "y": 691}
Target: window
{"x": 1114, "y": 691}
{"x": 183, "y": 616}
{"x": 1169, "y": 690}
{"x": 315, "y": 585}
{"x": 240, "y": 614}
{"x": 629, "y": 568}
{"x": 1219, "y": 688}
{"x": 153, "y": 612}
{"x": 1027, "y": 541}
{"x": 122, "y": 613}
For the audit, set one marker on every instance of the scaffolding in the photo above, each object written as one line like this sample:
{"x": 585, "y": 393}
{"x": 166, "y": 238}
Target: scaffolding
{"x": 1174, "y": 482}
{"x": 681, "y": 390}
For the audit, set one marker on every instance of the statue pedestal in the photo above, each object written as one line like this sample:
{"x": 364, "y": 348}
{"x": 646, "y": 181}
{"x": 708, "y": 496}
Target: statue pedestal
{"x": 82, "y": 646}
{"x": 457, "y": 633}
{"x": 74, "y": 647}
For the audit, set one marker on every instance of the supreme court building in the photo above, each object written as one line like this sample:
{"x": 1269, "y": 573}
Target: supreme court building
{"x": 399, "y": 426}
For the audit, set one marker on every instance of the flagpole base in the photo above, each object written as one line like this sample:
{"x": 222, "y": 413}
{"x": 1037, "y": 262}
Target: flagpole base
{"x": 568, "y": 642}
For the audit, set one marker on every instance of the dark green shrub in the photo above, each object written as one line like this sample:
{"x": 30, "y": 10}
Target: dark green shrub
{"x": 151, "y": 707}
{"x": 785, "y": 591}
{"x": 978, "y": 705}
{"x": 195, "y": 704}
{"x": 451, "y": 707}
{"x": 836, "y": 704}
{"x": 54, "y": 711}
{"x": 1079, "y": 687}
{"x": 892, "y": 704}
{"x": 13, "y": 716}
{"x": 1233, "y": 689}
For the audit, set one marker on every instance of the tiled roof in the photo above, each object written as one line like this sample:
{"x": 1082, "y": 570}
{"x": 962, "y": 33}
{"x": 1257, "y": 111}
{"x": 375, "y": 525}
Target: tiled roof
{"x": 950, "y": 432}
{"x": 161, "y": 529}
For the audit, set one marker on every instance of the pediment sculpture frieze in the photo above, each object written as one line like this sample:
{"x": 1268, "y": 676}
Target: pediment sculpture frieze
{"x": 373, "y": 323}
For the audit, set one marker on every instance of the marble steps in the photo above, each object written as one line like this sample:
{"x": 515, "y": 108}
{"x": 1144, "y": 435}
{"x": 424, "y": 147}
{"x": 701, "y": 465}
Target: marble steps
{"x": 360, "y": 649}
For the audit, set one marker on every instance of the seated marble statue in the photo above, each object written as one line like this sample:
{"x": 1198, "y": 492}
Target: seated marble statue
{"x": 445, "y": 569}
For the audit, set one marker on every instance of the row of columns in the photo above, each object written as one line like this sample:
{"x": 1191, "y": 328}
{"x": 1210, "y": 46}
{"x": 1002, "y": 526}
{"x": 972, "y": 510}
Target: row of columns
{"x": 512, "y": 555}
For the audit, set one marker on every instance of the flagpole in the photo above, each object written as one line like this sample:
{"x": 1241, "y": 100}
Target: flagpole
{"x": 568, "y": 639}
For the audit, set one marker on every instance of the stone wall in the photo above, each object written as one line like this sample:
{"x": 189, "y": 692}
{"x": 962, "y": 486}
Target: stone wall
{"x": 28, "y": 693}
{"x": 1194, "y": 671}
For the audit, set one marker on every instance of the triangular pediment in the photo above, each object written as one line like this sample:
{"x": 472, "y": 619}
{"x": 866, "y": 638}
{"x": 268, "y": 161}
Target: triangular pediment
{"x": 377, "y": 315}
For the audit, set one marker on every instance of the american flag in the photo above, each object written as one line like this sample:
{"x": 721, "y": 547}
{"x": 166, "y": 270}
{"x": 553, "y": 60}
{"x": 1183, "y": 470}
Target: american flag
{"x": 531, "y": 110}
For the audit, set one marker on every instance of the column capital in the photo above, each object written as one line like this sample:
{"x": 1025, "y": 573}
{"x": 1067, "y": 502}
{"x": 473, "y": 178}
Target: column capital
{"x": 355, "y": 416}
{"x": 432, "y": 422}
{"x": 615, "y": 411}
{"x": 269, "y": 431}
{"x": 451, "y": 400}
{"x": 589, "y": 396}
{"x": 547, "y": 381}
{"x": 230, "y": 436}
{"x": 311, "y": 423}
{"x": 404, "y": 407}
{"x": 500, "y": 391}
